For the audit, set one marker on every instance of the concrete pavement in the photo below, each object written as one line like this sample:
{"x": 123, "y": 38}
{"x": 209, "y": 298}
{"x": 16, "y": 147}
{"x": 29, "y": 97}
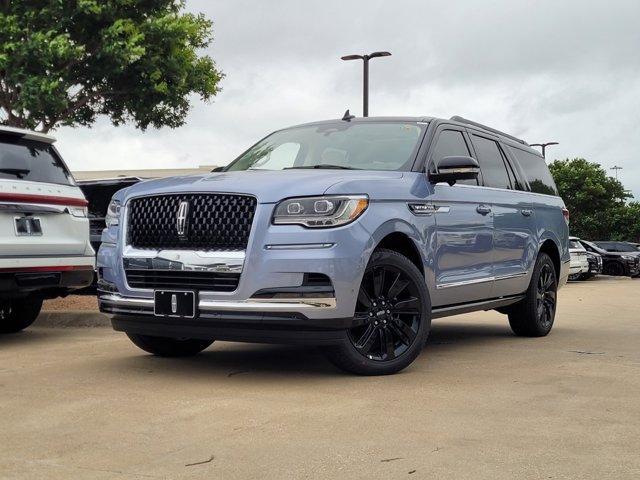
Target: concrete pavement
{"x": 478, "y": 403}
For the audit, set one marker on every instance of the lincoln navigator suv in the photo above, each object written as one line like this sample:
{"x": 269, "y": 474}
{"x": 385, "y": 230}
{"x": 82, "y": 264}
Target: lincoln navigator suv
{"x": 348, "y": 234}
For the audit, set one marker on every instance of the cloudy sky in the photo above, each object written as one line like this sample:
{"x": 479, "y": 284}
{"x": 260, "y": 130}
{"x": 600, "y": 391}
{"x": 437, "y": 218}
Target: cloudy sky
{"x": 567, "y": 71}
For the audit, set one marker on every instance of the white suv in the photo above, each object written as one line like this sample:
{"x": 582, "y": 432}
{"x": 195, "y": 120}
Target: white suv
{"x": 44, "y": 229}
{"x": 579, "y": 259}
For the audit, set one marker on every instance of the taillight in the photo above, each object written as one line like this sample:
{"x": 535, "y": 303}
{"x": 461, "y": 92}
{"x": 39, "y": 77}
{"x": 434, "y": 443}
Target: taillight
{"x": 565, "y": 214}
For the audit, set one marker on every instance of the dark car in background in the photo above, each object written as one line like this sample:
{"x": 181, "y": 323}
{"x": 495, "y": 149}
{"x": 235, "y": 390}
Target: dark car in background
{"x": 615, "y": 263}
{"x": 623, "y": 248}
{"x": 98, "y": 193}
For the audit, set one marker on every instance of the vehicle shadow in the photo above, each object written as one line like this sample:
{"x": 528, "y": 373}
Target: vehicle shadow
{"x": 248, "y": 360}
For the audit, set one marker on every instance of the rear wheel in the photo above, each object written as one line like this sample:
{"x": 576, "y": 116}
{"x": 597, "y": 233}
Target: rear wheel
{"x": 169, "y": 347}
{"x": 392, "y": 318}
{"x": 535, "y": 314}
{"x": 16, "y": 315}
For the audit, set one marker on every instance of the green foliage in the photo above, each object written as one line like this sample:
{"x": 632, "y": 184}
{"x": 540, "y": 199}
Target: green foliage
{"x": 63, "y": 62}
{"x": 596, "y": 201}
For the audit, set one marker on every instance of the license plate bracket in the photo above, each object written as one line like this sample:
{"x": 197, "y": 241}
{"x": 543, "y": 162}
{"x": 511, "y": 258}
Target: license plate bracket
{"x": 175, "y": 303}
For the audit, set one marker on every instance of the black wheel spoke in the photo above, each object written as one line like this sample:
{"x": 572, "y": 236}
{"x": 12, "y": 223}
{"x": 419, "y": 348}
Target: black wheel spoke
{"x": 363, "y": 298}
{"x": 367, "y": 340}
{"x": 397, "y": 287}
{"x": 403, "y": 331}
{"x": 378, "y": 281}
{"x": 407, "y": 304}
{"x": 387, "y": 344}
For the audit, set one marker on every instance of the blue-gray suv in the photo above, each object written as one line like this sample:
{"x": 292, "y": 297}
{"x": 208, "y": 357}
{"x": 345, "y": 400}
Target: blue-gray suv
{"x": 350, "y": 234}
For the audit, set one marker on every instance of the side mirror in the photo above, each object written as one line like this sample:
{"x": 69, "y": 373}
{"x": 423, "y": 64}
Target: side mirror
{"x": 452, "y": 169}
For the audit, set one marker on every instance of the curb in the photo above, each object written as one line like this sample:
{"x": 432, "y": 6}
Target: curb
{"x": 72, "y": 319}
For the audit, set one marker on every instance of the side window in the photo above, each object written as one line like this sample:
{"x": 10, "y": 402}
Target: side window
{"x": 451, "y": 143}
{"x": 536, "y": 171}
{"x": 494, "y": 171}
{"x": 513, "y": 178}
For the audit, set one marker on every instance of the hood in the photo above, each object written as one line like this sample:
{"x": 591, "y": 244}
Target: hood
{"x": 269, "y": 186}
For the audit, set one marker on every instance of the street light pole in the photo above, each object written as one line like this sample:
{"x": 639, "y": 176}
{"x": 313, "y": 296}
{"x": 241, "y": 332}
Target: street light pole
{"x": 544, "y": 147}
{"x": 365, "y": 75}
{"x": 616, "y": 168}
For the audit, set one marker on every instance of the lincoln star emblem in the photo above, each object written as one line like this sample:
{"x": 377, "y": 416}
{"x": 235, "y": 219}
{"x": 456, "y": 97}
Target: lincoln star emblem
{"x": 181, "y": 219}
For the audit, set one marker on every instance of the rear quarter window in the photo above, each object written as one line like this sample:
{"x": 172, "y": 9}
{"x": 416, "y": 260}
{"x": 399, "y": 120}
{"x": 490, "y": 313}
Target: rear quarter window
{"x": 536, "y": 171}
{"x": 32, "y": 161}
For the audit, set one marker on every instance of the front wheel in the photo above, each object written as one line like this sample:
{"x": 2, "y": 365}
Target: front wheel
{"x": 392, "y": 318}
{"x": 169, "y": 347}
{"x": 534, "y": 315}
{"x": 16, "y": 315}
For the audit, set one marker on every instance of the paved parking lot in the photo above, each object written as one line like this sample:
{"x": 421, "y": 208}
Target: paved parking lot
{"x": 479, "y": 403}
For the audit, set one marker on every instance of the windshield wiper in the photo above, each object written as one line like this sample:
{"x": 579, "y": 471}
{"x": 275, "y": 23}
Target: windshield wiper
{"x": 18, "y": 172}
{"x": 323, "y": 165}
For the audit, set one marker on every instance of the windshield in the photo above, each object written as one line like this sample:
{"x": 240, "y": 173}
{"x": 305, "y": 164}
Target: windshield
{"x": 33, "y": 161}
{"x": 617, "y": 247}
{"x": 366, "y": 146}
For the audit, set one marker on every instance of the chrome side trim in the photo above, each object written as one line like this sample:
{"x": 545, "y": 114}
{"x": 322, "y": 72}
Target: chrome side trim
{"x": 465, "y": 282}
{"x": 510, "y": 275}
{"x": 230, "y": 261}
{"x": 298, "y": 246}
{"x": 252, "y": 304}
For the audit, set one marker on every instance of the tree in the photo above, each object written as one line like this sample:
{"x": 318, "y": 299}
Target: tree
{"x": 595, "y": 200}
{"x": 64, "y": 62}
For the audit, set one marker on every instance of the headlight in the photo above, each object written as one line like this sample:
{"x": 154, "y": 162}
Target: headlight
{"x": 629, "y": 257}
{"x": 320, "y": 212}
{"x": 112, "y": 218}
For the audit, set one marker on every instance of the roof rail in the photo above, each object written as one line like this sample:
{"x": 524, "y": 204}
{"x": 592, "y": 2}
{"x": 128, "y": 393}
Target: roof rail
{"x": 460, "y": 119}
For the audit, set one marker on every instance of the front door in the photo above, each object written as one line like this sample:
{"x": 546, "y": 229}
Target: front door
{"x": 464, "y": 229}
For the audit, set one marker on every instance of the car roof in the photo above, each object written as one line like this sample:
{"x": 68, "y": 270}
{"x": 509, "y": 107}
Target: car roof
{"x": 456, "y": 120}
{"x": 27, "y": 134}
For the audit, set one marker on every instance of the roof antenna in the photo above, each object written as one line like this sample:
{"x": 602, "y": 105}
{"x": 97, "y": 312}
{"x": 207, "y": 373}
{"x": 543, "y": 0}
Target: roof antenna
{"x": 347, "y": 116}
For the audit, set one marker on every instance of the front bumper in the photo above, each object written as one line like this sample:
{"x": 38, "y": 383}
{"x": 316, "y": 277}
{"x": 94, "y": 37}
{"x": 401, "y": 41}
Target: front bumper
{"x": 253, "y": 320}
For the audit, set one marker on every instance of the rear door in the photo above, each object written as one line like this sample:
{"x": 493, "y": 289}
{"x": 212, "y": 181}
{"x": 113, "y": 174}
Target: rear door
{"x": 464, "y": 228}
{"x": 514, "y": 232}
{"x": 42, "y": 211}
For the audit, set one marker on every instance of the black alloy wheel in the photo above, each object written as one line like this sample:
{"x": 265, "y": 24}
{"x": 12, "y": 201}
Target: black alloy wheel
{"x": 534, "y": 315}
{"x": 392, "y": 318}
{"x": 546, "y": 297}
{"x": 389, "y": 313}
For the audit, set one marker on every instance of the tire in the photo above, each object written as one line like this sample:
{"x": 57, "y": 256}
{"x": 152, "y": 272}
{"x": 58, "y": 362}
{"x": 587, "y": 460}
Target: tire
{"x": 392, "y": 318}
{"x": 169, "y": 347}
{"x": 615, "y": 269}
{"x": 534, "y": 315}
{"x": 18, "y": 314}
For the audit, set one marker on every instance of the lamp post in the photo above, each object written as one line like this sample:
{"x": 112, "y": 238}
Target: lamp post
{"x": 616, "y": 168}
{"x": 365, "y": 87}
{"x": 544, "y": 146}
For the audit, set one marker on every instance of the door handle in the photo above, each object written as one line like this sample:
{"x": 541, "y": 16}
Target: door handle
{"x": 526, "y": 212}
{"x": 483, "y": 209}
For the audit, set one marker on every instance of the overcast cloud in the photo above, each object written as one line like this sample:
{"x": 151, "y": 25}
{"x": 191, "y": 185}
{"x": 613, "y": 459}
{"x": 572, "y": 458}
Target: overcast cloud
{"x": 567, "y": 71}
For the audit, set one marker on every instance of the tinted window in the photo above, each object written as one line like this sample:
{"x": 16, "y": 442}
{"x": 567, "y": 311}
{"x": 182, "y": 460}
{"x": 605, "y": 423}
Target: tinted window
{"x": 494, "y": 171}
{"x": 575, "y": 244}
{"x": 616, "y": 246}
{"x": 536, "y": 171}
{"x": 451, "y": 143}
{"x": 33, "y": 161}
{"x": 368, "y": 146}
